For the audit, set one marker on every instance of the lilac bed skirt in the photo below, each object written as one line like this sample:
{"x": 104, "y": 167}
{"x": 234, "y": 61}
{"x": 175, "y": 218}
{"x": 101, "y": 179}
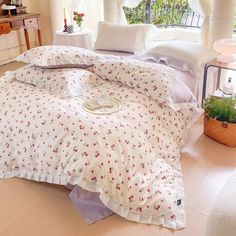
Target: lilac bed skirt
{"x": 89, "y": 205}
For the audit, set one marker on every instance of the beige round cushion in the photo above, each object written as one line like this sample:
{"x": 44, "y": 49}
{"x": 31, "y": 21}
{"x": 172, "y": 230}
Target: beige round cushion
{"x": 222, "y": 218}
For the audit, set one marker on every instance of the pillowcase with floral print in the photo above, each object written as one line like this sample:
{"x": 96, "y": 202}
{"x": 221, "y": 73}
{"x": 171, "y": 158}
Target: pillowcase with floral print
{"x": 64, "y": 82}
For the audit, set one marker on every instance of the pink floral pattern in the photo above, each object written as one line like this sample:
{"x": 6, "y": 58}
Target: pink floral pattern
{"x": 131, "y": 157}
{"x": 47, "y": 56}
{"x": 62, "y": 82}
{"x": 153, "y": 80}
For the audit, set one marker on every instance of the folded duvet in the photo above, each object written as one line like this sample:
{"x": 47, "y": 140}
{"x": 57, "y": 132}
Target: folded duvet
{"x": 131, "y": 157}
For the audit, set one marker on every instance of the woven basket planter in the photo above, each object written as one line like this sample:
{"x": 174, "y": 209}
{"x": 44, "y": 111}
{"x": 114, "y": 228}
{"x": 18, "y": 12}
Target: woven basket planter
{"x": 222, "y": 132}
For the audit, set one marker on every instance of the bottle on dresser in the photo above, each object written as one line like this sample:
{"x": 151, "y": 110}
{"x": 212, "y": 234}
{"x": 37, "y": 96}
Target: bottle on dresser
{"x": 227, "y": 91}
{"x": 228, "y": 88}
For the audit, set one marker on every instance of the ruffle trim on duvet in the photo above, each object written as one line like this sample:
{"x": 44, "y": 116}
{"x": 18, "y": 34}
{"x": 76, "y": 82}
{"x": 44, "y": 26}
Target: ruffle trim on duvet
{"x": 186, "y": 106}
{"x": 198, "y": 110}
{"x": 107, "y": 201}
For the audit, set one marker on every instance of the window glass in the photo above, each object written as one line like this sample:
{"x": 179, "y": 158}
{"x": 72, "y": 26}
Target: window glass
{"x": 163, "y": 13}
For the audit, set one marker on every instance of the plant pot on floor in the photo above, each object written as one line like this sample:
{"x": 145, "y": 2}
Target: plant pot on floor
{"x": 222, "y": 132}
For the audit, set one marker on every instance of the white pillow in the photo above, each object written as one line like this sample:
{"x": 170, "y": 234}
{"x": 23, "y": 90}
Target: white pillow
{"x": 65, "y": 83}
{"x": 120, "y": 37}
{"x": 59, "y": 56}
{"x": 151, "y": 79}
{"x": 182, "y": 55}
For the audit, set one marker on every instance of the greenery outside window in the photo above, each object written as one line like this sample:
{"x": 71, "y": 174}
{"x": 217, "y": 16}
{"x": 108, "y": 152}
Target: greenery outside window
{"x": 164, "y": 13}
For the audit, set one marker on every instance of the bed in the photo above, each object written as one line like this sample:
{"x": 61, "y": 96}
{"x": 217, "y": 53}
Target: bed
{"x": 131, "y": 157}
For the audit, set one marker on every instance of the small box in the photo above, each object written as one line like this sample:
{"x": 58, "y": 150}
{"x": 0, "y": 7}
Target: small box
{"x": 20, "y": 10}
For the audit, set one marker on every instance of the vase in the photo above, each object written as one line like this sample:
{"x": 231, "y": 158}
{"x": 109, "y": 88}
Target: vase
{"x": 79, "y": 26}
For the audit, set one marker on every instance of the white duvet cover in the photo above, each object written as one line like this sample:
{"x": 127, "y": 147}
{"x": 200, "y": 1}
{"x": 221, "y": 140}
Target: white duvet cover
{"x": 132, "y": 157}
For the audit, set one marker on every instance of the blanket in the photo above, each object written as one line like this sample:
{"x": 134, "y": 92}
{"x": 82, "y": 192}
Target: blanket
{"x": 131, "y": 158}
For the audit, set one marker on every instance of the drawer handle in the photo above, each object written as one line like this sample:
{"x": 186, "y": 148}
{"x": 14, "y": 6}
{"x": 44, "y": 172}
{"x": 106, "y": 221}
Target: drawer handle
{"x": 30, "y": 21}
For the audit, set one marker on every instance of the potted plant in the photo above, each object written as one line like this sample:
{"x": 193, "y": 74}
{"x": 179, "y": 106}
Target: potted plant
{"x": 220, "y": 120}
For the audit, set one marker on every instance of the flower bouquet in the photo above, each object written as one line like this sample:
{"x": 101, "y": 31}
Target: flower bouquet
{"x": 78, "y": 18}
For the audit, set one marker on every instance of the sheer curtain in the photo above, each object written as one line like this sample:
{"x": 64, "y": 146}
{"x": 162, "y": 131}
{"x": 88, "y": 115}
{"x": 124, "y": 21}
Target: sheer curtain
{"x": 204, "y": 8}
{"x": 93, "y": 10}
{"x": 56, "y": 13}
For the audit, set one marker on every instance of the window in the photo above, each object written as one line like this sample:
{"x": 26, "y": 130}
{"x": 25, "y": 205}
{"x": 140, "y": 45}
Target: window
{"x": 164, "y": 13}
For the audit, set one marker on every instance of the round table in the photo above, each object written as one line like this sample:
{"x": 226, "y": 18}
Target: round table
{"x": 82, "y": 39}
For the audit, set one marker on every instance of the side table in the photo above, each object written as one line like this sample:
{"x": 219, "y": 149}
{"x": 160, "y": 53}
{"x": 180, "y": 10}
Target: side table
{"x": 82, "y": 39}
{"x": 219, "y": 66}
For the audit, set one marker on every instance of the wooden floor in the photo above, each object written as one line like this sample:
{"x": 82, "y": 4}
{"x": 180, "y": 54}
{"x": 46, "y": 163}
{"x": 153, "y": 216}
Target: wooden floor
{"x": 36, "y": 209}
